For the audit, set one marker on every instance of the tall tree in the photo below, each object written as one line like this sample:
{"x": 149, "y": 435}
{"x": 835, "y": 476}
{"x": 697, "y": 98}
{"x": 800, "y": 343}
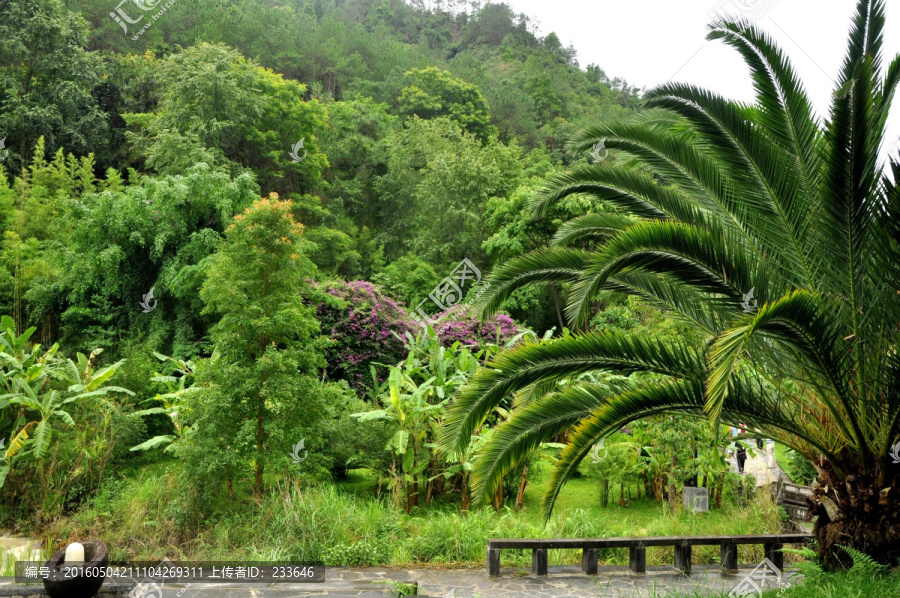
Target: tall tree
{"x": 260, "y": 393}
{"x": 220, "y": 108}
{"x": 432, "y": 92}
{"x": 46, "y": 80}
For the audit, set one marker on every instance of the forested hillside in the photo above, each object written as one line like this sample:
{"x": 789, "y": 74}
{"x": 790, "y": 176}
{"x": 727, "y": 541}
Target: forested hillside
{"x": 423, "y": 131}
{"x": 250, "y": 199}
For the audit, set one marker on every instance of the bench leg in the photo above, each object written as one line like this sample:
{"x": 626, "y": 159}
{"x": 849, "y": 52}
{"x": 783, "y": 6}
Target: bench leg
{"x": 539, "y": 561}
{"x": 683, "y": 558}
{"x": 774, "y": 554}
{"x": 589, "y": 561}
{"x": 729, "y": 558}
{"x": 637, "y": 559}
{"x": 493, "y": 562}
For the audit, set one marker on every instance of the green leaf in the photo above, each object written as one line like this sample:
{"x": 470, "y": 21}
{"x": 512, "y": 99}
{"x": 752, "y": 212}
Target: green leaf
{"x": 399, "y": 442}
{"x": 377, "y": 414}
{"x": 408, "y": 461}
{"x": 65, "y": 417}
{"x": 154, "y": 442}
{"x": 42, "y": 435}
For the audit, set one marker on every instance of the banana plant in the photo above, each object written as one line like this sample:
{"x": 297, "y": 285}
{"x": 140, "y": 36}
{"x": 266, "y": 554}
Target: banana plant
{"x": 172, "y": 403}
{"x": 38, "y": 385}
{"x": 407, "y": 406}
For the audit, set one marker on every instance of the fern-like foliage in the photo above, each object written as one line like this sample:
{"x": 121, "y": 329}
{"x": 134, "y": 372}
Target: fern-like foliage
{"x": 863, "y": 564}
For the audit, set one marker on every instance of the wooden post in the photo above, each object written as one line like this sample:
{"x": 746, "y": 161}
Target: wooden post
{"x": 493, "y": 562}
{"x": 637, "y": 559}
{"x": 774, "y": 554}
{"x": 729, "y": 557}
{"x": 539, "y": 561}
{"x": 589, "y": 561}
{"x": 683, "y": 558}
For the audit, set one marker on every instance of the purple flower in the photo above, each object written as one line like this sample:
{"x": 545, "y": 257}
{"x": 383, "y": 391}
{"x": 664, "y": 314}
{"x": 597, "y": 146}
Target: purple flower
{"x": 363, "y": 332}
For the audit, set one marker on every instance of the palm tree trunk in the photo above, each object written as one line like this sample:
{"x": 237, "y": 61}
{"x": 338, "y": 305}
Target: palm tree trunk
{"x": 465, "y": 492}
{"x": 855, "y": 510}
{"x": 412, "y": 497}
{"x": 558, "y": 311}
{"x": 430, "y": 489}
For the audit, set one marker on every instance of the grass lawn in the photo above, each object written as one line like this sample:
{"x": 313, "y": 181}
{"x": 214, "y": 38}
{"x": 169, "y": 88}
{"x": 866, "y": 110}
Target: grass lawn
{"x": 346, "y": 524}
{"x": 781, "y": 458}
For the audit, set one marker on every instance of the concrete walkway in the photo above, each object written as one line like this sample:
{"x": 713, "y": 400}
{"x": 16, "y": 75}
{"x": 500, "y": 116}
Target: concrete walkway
{"x": 762, "y": 466}
{"x": 362, "y": 582}
{"x": 563, "y": 582}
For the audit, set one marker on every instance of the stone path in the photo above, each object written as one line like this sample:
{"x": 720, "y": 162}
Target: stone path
{"x": 762, "y": 467}
{"x": 563, "y": 582}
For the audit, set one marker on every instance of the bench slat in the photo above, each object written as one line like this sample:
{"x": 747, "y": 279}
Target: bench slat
{"x": 564, "y": 543}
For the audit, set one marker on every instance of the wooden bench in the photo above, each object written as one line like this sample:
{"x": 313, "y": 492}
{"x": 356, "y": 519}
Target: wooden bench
{"x": 772, "y": 545}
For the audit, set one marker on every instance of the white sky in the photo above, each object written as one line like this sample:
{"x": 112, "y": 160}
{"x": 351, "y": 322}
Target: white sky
{"x": 648, "y": 42}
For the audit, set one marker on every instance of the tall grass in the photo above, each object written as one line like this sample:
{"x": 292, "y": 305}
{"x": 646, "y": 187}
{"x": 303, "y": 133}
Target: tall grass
{"x": 138, "y": 518}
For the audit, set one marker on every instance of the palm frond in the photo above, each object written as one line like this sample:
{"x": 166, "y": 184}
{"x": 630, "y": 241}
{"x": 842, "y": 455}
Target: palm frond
{"x": 711, "y": 262}
{"x": 596, "y": 227}
{"x": 568, "y": 356}
{"x": 538, "y": 422}
{"x": 556, "y": 265}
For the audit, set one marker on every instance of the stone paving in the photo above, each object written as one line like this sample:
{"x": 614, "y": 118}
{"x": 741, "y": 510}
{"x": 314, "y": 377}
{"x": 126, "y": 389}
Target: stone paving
{"x": 567, "y": 581}
{"x": 563, "y": 582}
{"x": 762, "y": 467}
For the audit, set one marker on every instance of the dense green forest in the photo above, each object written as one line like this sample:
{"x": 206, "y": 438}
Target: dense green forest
{"x": 109, "y": 139}
{"x": 390, "y": 141}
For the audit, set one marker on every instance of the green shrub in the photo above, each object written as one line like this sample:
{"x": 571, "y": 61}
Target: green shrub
{"x": 357, "y": 554}
{"x": 799, "y": 468}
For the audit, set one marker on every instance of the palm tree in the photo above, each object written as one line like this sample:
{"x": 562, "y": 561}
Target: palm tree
{"x": 775, "y": 234}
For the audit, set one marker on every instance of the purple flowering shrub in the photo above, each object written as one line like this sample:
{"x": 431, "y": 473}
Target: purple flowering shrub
{"x": 460, "y": 324}
{"x": 362, "y": 332}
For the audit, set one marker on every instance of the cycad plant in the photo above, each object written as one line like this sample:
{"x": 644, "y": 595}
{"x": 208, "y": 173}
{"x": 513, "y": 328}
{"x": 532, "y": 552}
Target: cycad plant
{"x": 776, "y": 234}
